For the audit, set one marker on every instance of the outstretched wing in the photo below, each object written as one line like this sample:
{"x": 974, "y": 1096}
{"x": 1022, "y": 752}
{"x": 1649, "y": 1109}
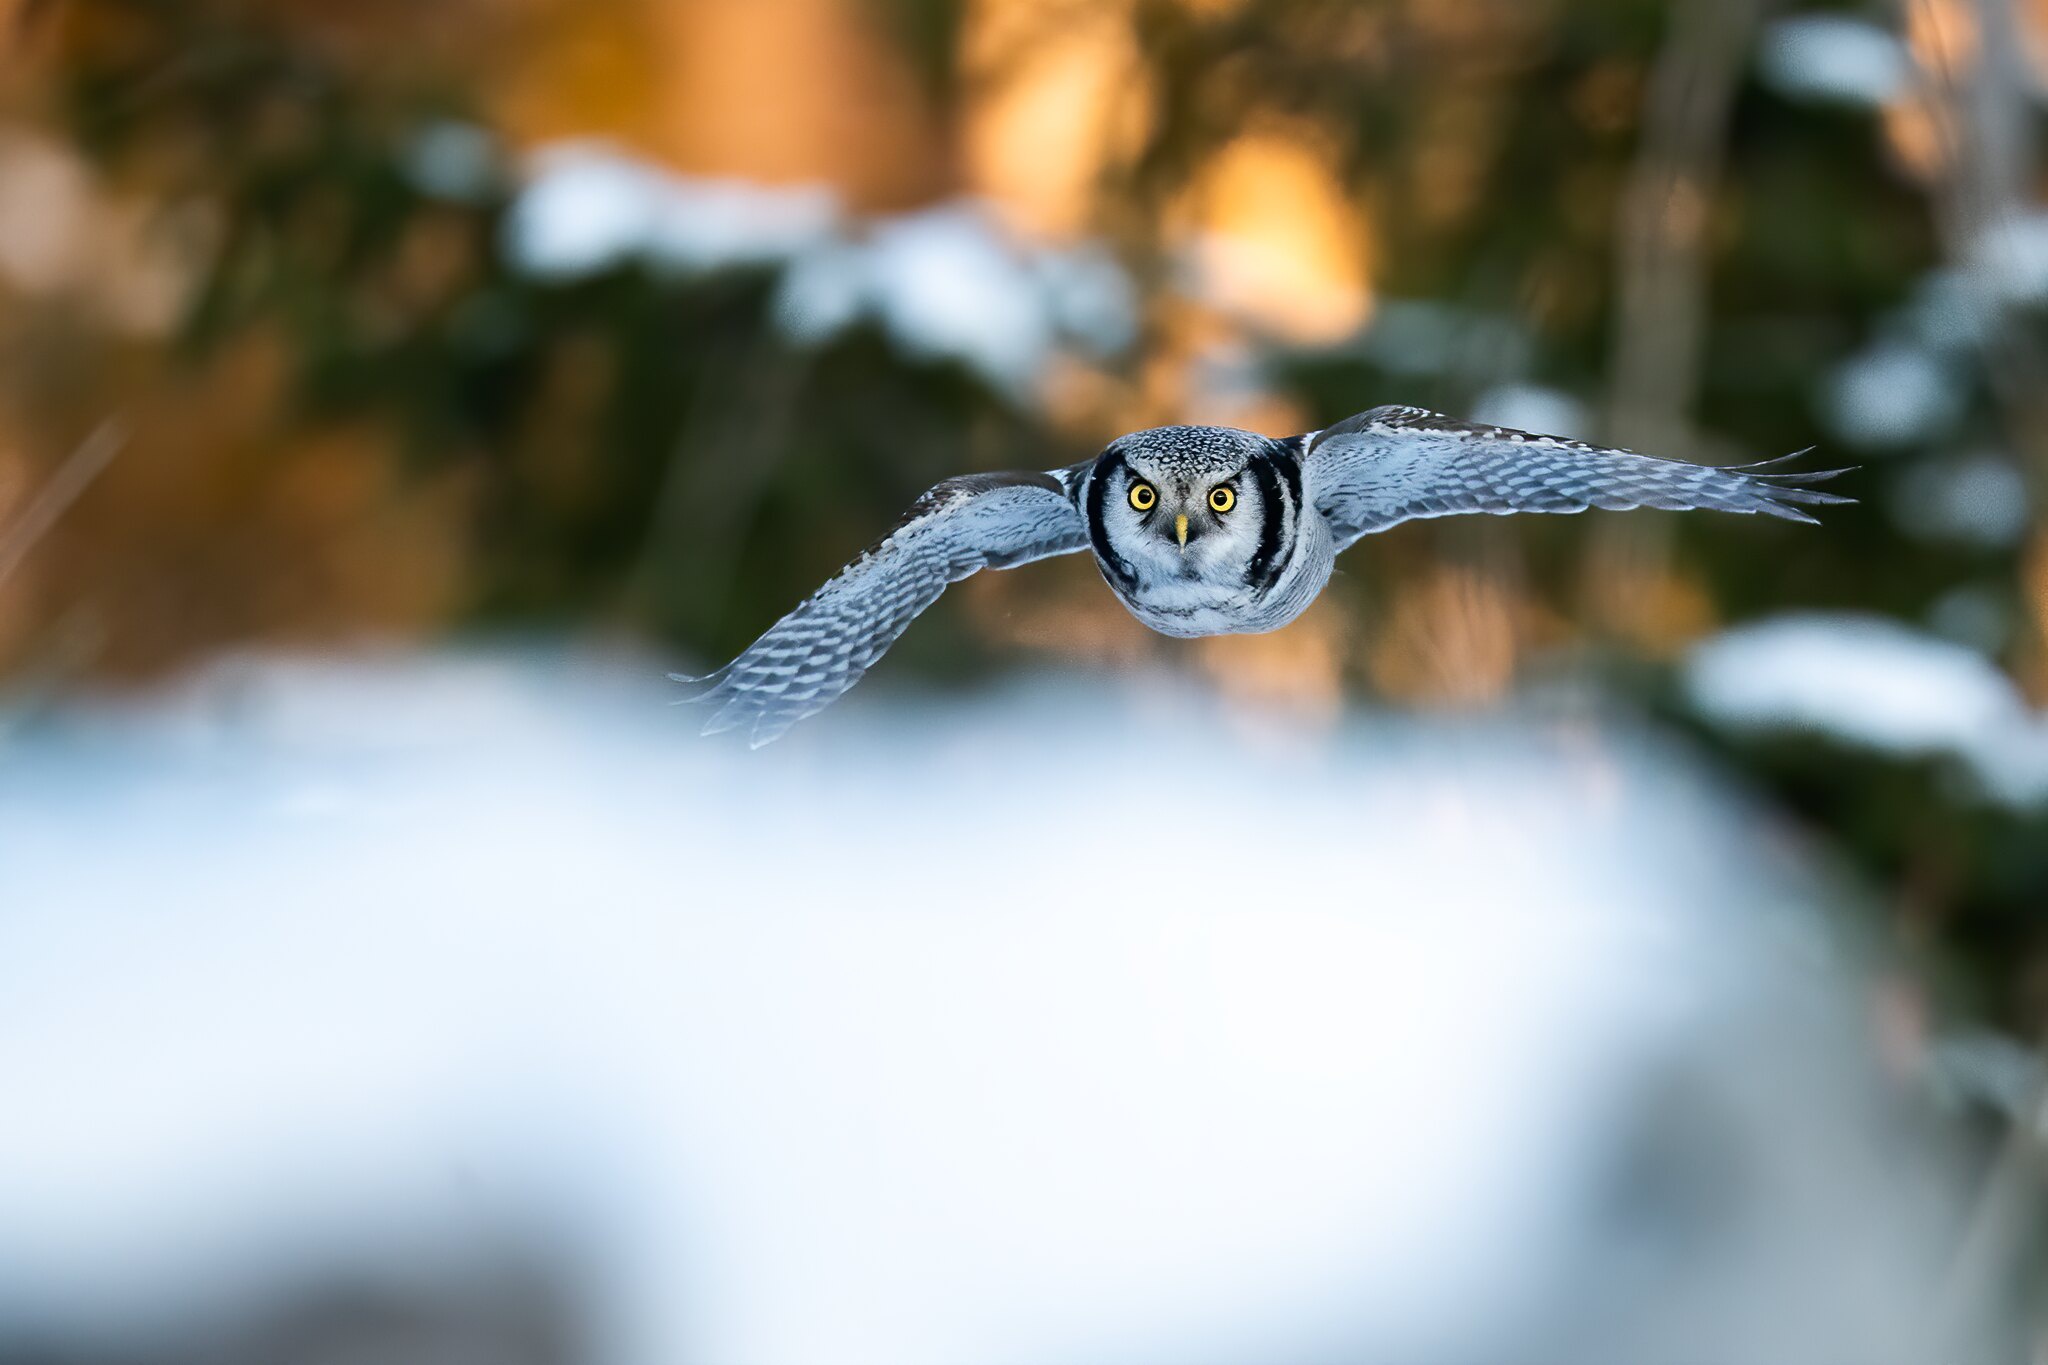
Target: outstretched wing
{"x": 1393, "y": 464}
{"x": 813, "y": 655}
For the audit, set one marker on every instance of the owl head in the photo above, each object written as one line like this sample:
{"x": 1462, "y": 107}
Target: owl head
{"x": 1184, "y": 502}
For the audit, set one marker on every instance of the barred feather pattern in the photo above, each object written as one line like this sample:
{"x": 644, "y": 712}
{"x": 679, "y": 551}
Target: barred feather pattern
{"x": 1395, "y": 464}
{"x": 809, "y": 658}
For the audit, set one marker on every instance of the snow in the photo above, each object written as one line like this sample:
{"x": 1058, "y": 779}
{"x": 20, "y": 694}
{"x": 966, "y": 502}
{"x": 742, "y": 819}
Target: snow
{"x": 1532, "y": 407}
{"x": 2012, "y": 254}
{"x": 1080, "y": 1024}
{"x": 946, "y": 282}
{"x": 587, "y": 207}
{"x": 1896, "y": 393}
{"x": 1091, "y": 297}
{"x": 942, "y": 283}
{"x": 1879, "y": 685}
{"x": 1835, "y": 59}
{"x": 1947, "y": 312}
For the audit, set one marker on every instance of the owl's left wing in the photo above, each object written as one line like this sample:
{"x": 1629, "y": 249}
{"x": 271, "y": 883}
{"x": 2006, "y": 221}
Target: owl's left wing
{"x": 1393, "y": 464}
{"x": 809, "y": 658}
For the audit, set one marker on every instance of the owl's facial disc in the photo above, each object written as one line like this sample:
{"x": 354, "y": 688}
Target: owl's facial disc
{"x": 1183, "y": 520}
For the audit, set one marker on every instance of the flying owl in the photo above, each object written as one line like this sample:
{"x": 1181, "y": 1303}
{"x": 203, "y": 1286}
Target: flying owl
{"x": 1202, "y": 530}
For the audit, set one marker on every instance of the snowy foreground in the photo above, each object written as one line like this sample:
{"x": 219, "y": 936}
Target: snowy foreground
{"x": 1090, "y": 1023}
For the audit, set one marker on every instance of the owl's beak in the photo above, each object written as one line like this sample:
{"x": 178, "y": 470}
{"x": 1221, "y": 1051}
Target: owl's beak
{"x": 1180, "y": 530}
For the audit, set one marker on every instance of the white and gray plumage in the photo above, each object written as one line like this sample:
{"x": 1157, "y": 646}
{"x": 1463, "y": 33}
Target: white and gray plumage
{"x": 1206, "y": 531}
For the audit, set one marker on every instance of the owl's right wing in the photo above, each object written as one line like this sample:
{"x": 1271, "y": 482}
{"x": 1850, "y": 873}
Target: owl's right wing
{"x": 1394, "y": 464}
{"x": 809, "y": 658}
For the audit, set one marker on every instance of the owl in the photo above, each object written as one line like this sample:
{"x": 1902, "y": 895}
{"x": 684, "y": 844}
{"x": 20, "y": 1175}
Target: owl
{"x": 1203, "y": 530}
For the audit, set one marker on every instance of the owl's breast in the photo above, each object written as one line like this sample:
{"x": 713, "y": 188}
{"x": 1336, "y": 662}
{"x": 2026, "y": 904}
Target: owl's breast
{"x": 1224, "y": 604}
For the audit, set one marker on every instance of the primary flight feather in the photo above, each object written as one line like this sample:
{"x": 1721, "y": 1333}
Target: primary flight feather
{"x": 1204, "y": 530}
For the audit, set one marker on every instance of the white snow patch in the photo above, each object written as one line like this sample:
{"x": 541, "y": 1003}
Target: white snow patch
{"x": 1829, "y": 58}
{"x": 2012, "y": 256}
{"x": 1064, "y": 1028}
{"x": 1880, "y": 685}
{"x": 587, "y": 207}
{"x": 945, "y": 287}
{"x": 1091, "y": 296}
{"x": 1891, "y": 395}
{"x": 1947, "y": 311}
{"x": 1533, "y": 408}
{"x": 949, "y": 282}
{"x": 945, "y": 282}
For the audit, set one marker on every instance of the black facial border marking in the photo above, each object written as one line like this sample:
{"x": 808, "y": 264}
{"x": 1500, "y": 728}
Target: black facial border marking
{"x": 1287, "y": 456}
{"x": 1267, "y": 562}
{"x": 1116, "y": 565}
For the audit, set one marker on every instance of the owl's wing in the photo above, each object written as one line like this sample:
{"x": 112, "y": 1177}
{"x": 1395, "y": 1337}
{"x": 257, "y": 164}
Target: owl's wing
{"x": 813, "y": 655}
{"x": 1393, "y": 464}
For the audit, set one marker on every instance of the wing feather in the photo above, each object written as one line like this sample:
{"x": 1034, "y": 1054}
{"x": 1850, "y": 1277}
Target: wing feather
{"x": 1394, "y": 464}
{"x": 808, "y": 659}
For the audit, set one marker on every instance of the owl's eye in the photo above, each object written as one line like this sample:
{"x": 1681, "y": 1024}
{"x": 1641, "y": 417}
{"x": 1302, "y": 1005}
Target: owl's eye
{"x": 1222, "y": 499}
{"x": 1143, "y": 496}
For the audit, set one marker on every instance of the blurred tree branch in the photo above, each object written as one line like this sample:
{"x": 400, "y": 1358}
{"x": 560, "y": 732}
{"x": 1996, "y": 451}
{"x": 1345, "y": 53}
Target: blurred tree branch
{"x": 1985, "y": 124}
{"x": 1666, "y": 215}
{"x": 2003, "y": 1227}
{"x": 1661, "y": 277}
{"x": 1984, "y": 120}
{"x": 64, "y": 487}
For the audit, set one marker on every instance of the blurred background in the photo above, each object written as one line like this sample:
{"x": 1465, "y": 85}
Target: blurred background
{"x": 390, "y": 393}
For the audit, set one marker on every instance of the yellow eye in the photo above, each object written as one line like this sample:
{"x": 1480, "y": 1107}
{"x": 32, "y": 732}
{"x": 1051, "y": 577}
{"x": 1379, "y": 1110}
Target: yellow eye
{"x": 1222, "y": 499}
{"x": 1142, "y": 496}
